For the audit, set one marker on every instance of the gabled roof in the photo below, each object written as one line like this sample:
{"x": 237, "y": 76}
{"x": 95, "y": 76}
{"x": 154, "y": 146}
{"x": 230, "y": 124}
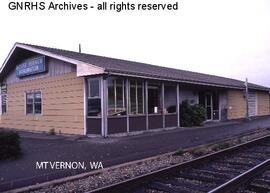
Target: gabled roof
{"x": 101, "y": 64}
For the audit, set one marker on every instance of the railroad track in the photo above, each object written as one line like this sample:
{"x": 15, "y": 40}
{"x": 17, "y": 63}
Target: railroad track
{"x": 258, "y": 184}
{"x": 218, "y": 172}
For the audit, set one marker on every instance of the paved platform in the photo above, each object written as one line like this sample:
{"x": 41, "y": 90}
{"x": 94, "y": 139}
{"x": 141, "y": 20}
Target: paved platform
{"x": 110, "y": 151}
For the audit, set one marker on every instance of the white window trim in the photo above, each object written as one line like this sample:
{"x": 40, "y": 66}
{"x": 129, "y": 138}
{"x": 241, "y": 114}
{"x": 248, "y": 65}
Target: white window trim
{"x": 25, "y": 103}
{"x": 114, "y": 85}
{"x": 115, "y": 94}
{"x": 89, "y": 96}
{"x": 136, "y": 97}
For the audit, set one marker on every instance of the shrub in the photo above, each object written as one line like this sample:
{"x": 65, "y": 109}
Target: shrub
{"x": 198, "y": 114}
{"x": 191, "y": 115}
{"x": 220, "y": 146}
{"x": 179, "y": 152}
{"x": 200, "y": 151}
{"x": 9, "y": 145}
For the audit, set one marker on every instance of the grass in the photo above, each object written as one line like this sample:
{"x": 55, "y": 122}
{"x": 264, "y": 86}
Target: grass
{"x": 220, "y": 146}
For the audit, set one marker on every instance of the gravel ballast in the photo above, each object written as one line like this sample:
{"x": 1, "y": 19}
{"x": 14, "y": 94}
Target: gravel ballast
{"x": 122, "y": 172}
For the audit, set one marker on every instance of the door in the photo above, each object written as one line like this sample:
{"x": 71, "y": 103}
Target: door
{"x": 208, "y": 106}
{"x": 210, "y": 100}
{"x": 215, "y": 106}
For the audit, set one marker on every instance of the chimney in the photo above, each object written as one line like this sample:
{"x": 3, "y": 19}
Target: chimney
{"x": 80, "y": 49}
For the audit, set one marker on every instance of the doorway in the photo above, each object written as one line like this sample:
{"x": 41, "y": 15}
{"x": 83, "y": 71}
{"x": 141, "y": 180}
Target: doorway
{"x": 209, "y": 106}
{"x": 210, "y": 101}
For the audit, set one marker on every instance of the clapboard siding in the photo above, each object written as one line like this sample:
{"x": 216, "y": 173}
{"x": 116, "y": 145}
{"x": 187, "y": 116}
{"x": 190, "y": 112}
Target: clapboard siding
{"x": 263, "y": 103}
{"x": 236, "y": 104}
{"x": 63, "y": 105}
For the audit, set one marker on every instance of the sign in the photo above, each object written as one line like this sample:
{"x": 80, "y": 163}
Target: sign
{"x": 31, "y": 66}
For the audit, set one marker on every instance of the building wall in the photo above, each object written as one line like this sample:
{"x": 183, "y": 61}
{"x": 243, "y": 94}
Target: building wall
{"x": 236, "y": 104}
{"x": 62, "y": 103}
{"x": 263, "y": 103}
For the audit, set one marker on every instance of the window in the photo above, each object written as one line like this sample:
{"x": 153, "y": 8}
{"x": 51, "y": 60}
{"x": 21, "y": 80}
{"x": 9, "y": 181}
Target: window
{"x": 94, "y": 100}
{"x": 116, "y": 97}
{"x": 154, "y": 98}
{"x": 4, "y": 99}
{"x": 94, "y": 87}
{"x": 136, "y": 94}
{"x": 4, "y": 103}
{"x": 170, "y": 98}
{"x": 33, "y": 102}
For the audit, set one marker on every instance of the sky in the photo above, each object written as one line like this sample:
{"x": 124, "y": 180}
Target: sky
{"x": 229, "y": 38}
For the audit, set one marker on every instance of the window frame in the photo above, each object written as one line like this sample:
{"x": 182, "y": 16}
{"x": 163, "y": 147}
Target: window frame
{"x": 136, "y": 98}
{"x": 89, "y": 90}
{"x": 4, "y": 113}
{"x": 3, "y": 92}
{"x": 124, "y": 97}
{"x": 33, "y": 108}
{"x": 160, "y": 100}
{"x": 89, "y": 95}
{"x": 165, "y": 109}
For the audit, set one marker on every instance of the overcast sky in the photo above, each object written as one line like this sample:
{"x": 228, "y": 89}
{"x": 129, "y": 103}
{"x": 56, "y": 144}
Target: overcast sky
{"x": 230, "y": 38}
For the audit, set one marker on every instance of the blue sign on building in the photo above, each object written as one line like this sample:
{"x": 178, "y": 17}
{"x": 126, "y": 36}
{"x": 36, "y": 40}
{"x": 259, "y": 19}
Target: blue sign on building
{"x": 31, "y": 66}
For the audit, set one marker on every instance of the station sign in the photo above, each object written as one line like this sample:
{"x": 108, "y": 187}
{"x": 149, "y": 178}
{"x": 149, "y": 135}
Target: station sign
{"x": 31, "y": 66}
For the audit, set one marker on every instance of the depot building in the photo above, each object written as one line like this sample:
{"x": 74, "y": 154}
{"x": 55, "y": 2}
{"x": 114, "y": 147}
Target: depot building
{"x": 75, "y": 93}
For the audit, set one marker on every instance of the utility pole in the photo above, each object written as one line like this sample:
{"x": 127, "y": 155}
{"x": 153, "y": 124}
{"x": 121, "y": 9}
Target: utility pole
{"x": 246, "y": 93}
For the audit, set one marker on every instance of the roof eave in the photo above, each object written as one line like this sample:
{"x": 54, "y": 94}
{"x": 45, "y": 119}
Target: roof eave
{"x": 8, "y": 57}
{"x": 83, "y": 69}
{"x": 173, "y": 80}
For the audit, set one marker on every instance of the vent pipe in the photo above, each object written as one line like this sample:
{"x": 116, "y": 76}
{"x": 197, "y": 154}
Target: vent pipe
{"x": 80, "y": 49}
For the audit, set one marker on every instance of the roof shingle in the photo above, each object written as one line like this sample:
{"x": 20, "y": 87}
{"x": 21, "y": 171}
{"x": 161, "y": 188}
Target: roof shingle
{"x": 113, "y": 65}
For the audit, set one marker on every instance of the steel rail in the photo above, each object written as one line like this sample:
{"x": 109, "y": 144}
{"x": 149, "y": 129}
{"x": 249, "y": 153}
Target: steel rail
{"x": 242, "y": 178}
{"x": 132, "y": 183}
